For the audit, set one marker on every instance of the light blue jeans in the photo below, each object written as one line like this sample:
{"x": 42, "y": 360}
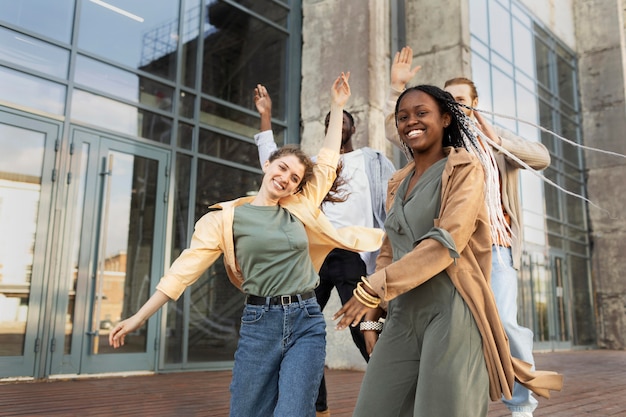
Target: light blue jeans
{"x": 279, "y": 361}
{"x": 504, "y": 287}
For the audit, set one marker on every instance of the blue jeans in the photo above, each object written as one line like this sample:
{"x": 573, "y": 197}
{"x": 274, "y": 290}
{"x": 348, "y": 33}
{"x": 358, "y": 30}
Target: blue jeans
{"x": 279, "y": 360}
{"x": 504, "y": 287}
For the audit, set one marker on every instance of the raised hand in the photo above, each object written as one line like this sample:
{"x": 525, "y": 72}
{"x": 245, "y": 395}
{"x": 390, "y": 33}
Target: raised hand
{"x": 263, "y": 104}
{"x": 341, "y": 89}
{"x": 401, "y": 72}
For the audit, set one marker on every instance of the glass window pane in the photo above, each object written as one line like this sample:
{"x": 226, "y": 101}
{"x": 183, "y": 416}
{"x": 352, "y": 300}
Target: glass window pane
{"x": 500, "y": 30}
{"x": 107, "y": 78}
{"x": 33, "y": 54}
{"x": 228, "y": 119}
{"x": 186, "y": 104}
{"x": 523, "y": 50}
{"x": 481, "y": 75}
{"x": 542, "y": 63}
{"x": 504, "y": 99}
{"x": 21, "y": 160}
{"x": 241, "y": 51}
{"x": 565, "y": 74}
{"x": 185, "y": 135}
{"x": 121, "y": 117}
{"x": 223, "y": 147}
{"x": 527, "y": 111}
{"x": 268, "y": 8}
{"x": 142, "y": 34}
{"x": 190, "y": 37}
{"x": 34, "y": 92}
{"x": 45, "y": 17}
{"x": 218, "y": 182}
{"x": 478, "y": 19}
{"x": 584, "y": 315}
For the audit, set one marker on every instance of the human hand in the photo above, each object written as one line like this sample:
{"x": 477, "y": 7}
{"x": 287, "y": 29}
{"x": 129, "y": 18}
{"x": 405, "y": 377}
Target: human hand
{"x": 341, "y": 89}
{"x": 487, "y": 128}
{"x": 119, "y": 332}
{"x": 371, "y": 337}
{"x": 401, "y": 72}
{"x": 262, "y": 100}
{"x": 352, "y": 312}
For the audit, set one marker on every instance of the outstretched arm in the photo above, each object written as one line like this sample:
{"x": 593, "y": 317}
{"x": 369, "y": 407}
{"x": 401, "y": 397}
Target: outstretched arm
{"x": 340, "y": 93}
{"x": 265, "y": 138}
{"x": 119, "y": 332}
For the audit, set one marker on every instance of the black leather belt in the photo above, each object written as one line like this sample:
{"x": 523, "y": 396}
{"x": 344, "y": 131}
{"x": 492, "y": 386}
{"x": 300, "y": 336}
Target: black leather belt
{"x": 278, "y": 300}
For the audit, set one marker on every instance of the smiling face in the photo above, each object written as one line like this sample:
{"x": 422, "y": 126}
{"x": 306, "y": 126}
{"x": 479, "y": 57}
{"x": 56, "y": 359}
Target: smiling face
{"x": 283, "y": 176}
{"x": 421, "y": 123}
{"x": 462, "y": 93}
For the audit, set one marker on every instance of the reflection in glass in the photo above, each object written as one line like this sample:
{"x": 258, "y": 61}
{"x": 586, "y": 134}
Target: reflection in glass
{"x": 34, "y": 54}
{"x": 142, "y": 34}
{"x": 478, "y": 19}
{"x": 186, "y": 104}
{"x": 21, "y": 163}
{"x": 565, "y": 74}
{"x": 175, "y": 331}
{"x": 582, "y": 301}
{"x": 121, "y": 117}
{"x": 75, "y": 254}
{"x": 190, "y": 34}
{"x": 126, "y": 220}
{"x": 241, "y": 51}
{"x": 45, "y": 17}
{"x": 104, "y": 77}
{"x": 226, "y": 118}
{"x": 123, "y": 84}
{"x": 218, "y": 182}
{"x": 223, "y": 147}
{"x": 185, "y": 136}
{"x": 34, "y": 92}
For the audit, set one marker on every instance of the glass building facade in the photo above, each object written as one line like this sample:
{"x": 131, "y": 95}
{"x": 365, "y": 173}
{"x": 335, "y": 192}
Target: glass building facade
{"x": 525, "y": 74}
{"x": 120, "y": 124}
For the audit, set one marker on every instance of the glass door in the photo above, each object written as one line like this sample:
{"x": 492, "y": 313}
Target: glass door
{"x": 27, "y": 174}
{"x": 116, "y": 233}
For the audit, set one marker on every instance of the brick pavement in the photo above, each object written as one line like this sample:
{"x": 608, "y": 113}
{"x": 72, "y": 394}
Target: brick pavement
{"x": 594, "y": 385}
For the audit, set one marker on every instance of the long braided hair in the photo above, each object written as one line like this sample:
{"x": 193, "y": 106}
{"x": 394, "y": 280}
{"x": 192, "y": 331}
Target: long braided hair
{"x": 460, "y": 134}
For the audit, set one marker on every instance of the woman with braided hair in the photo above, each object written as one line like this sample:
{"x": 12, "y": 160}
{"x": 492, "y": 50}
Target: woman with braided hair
{"x": 443, "y": 351}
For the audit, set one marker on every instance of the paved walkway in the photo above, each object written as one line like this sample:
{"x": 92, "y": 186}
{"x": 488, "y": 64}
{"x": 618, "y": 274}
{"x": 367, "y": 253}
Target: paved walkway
{"x": 595, "y": 385}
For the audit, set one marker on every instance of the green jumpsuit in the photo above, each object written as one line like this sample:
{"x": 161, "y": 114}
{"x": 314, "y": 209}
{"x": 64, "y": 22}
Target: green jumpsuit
{"x": 429, "y": 360}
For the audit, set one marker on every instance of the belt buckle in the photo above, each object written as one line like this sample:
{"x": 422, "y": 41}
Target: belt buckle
{"x": 285, "y": 299}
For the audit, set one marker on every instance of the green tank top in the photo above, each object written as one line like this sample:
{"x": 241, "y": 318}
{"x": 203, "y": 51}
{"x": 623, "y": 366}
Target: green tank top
{"x": 272, "y": 250}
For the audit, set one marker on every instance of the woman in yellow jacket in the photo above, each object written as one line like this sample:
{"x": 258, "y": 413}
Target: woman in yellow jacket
{"x": 273, "y": 245}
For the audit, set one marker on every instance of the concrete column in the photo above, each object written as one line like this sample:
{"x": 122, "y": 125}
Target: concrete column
{"x": 344, "y": 36}
{"x": 601, "y": 58}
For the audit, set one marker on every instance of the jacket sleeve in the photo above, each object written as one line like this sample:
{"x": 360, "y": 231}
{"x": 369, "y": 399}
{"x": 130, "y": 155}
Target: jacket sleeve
{"x": 462, "y": 202}
{"x": 204, "y": 250}
{"x": 324, "y": 174}
{"x": 265, "y": 144}
{"x": 534, "y": 154}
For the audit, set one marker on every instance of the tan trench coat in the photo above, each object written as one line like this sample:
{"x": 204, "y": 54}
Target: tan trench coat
{"x": 463, "y": 214}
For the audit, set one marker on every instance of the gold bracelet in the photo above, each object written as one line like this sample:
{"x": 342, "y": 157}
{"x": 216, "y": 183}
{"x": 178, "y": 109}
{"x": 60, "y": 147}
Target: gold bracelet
{"x": 364, "y": 294}
{"x": 367, "y": 284}
{"x": 364, "y": 297}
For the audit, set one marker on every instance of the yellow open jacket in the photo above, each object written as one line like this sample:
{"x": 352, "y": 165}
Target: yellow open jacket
{"x": 213, "y": 235}
{"x": 463, "y": 214}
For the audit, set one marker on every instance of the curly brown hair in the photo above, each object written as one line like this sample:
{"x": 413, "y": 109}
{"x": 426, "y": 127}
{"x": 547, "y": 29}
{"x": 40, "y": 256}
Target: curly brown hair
{"x": 336, "y": 194}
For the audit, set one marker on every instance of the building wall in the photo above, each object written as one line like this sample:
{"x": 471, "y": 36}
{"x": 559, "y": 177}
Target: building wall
{"x": 354, "y": 36}
{"x": 601, "y": 59}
